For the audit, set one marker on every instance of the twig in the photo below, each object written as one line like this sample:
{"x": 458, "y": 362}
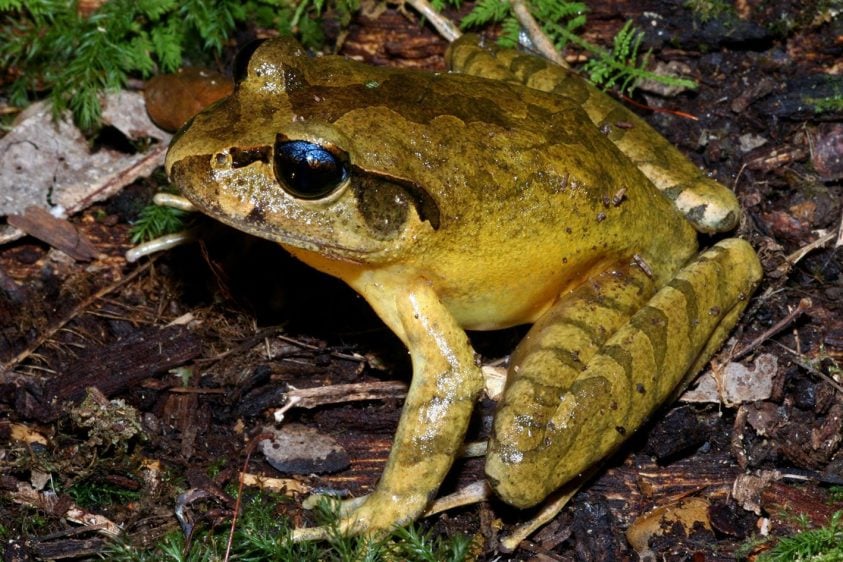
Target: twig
{"x": 340, "y": 394}
{"x": 793, "y": 258}
{"x": 166, "y": 242}
{"x": 51, "y": 331}
{"x": 675, "y": 112}
{"x": 285, "y": 485}
{"x": 540, "y": 41}
{"x": 804, "y": 304}
{"x": 195, "y": 390}
{"x": 798, "y": 359}
{"x": 173, "y": 201}
{"x": 48, "y": 502}
{"x": 839, "y": 241}
{"x": 252, "y": 341}
{"x": 443, "y": 25}
{"x": 475, "y": 492}
{"x": 551, "y": 507}
{"x": 311, "y": 347}
{"x": 144, "y": 167}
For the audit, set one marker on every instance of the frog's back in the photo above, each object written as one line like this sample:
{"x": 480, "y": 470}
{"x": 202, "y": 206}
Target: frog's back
{"x": 465, "y": 136}
{"x": 707, "y": 204}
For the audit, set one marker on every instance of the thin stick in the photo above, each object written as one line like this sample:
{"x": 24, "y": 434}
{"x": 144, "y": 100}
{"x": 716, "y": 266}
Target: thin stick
{"x": 839, "y": 241}
{"x": 475, "y": 492}
{"x": 540, "y": 41}
{"x": 264, "y": 333}
{"x": 166, "y": 242}
{"x": 550, "y": 509}
{"x": 793, "y": 258}
{"x": 249, "y": 451}
{"x": 804, "y": 304}
{"x": 798, "y": 359}
{"x": 443, "y": 25}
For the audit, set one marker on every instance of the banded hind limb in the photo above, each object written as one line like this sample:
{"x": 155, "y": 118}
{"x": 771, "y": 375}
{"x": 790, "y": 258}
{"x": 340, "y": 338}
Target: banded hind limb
{"x": 608, "y": 354}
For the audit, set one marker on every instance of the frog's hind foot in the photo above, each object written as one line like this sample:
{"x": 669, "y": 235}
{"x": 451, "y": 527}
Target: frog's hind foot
{"x": 373, "y": 515}
{"x": 580, "y": 384}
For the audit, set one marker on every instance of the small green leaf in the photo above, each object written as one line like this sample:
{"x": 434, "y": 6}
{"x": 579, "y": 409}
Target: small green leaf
{"x": 155, "y": 221}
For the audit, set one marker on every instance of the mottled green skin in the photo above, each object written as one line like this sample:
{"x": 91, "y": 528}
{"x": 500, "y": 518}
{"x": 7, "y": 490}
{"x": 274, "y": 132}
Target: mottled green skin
{"x": 473, "y": 204}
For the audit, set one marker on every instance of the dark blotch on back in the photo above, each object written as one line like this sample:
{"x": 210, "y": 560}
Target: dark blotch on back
{"x": 293, "y": 78}
{"x": 194, "y": 171}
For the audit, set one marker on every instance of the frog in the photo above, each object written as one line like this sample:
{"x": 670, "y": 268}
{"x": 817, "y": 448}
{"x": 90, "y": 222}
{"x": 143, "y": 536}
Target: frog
{"x": 506, "y": 191}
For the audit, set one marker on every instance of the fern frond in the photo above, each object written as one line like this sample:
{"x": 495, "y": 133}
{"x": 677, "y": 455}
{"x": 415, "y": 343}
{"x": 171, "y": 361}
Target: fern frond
{"x": 623, "y": 67}
{"x": 166, "y": 43}
{"x": 155, "y": 221}
{"x": 510, "y": 33}
{"x": 311, "y": 33}
{"x": 76, "y": 58}
{"x": 486, "y": 11}
{"x": 214, "y": 22}
{"x": 155, "y": 9}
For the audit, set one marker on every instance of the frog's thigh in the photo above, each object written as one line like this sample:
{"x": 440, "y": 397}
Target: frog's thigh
{"x": 546, "y": 432}
{"x": 555, "y": 351}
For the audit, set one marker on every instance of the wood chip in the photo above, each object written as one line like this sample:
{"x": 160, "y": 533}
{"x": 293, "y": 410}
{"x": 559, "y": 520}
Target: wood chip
{"x": 58, "y": 233}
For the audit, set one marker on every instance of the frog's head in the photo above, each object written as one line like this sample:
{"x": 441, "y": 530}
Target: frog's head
{"x": 271, "y": 160}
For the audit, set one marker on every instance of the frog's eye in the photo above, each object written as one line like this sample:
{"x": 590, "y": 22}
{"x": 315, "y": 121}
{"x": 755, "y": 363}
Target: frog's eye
{"x": 240, "y": 66}
{"x": 307, "y": 170}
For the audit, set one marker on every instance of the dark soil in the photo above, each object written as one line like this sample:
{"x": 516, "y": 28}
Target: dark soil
{"x": 204, "y": 386}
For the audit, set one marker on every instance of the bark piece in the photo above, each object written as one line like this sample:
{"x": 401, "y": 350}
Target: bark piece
{"x": 123, "y": 364}
{"x": 58, "y": 233}
{"x": 49, "y": 163}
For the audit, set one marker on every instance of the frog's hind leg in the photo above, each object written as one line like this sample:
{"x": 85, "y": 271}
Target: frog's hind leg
{"x": 581, "y": 383}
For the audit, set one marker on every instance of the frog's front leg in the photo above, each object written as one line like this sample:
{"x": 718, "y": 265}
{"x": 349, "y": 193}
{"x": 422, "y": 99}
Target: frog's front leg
{"x": 446, "y": 383}
{"x": 573, "y": 394}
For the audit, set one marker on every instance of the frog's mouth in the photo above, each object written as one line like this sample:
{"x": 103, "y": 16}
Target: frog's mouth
{"x": 255, "y": 224}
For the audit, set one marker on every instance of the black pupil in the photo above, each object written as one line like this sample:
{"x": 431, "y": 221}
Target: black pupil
{"x": 307, "y": 170}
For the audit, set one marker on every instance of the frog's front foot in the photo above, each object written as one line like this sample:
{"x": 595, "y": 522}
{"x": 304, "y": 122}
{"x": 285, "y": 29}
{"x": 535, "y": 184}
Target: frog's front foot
{"x": 378, "y": 514}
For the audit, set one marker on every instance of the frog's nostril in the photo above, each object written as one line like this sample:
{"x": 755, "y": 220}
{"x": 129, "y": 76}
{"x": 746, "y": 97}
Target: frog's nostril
{"x": 242, "y": 157}
{"x": 220, "y": 160}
